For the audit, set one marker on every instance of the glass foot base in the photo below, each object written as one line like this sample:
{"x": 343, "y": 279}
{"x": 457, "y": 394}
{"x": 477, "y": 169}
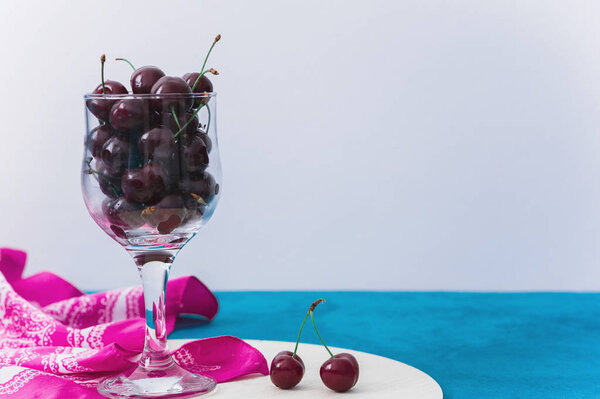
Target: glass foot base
{"x": 170, "y": 382}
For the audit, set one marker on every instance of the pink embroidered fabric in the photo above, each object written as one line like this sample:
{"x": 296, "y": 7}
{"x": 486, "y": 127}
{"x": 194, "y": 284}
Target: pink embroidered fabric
{"x": 56, "y": 338}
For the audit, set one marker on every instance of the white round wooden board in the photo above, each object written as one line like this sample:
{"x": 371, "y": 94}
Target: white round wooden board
{"x": 379, "y": 377}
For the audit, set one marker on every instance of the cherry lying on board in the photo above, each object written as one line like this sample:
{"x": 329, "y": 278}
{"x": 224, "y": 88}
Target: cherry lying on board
{"x": 287, "y": 370}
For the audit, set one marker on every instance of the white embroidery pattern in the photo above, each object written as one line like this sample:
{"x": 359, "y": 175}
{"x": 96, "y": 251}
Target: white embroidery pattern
{"x": 90, "y": 337}
{"x": 21, "y": 323}
{"x": 17, "y": 378}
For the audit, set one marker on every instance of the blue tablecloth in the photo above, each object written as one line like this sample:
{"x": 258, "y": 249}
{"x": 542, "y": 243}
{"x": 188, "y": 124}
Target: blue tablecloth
{"x": 476, "y": 345}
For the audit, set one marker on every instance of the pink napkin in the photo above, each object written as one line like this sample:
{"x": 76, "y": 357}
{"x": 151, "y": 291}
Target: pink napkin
{"x": 55, "y": 338}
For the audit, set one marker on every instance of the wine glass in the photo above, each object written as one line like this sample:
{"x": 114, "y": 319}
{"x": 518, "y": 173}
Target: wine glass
{"x": 150, "y": 178}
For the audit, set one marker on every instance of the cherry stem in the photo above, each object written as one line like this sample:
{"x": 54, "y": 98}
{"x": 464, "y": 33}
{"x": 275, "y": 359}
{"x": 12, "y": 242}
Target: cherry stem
{"x": 114, "y": 190}
{"x": 102, "y": 60}
{"x": 310, "y": 310}
{"x": 205, "y": 59}
{"x": 175, "y": 117}
{"x": 127, "y": 61}
{"x": 211, "y": 70}
{"x": 189, "y": 121}
{"x": 318, "y": 335}
{"x": 207, "y": 126}
{"x": 299, "y": 333}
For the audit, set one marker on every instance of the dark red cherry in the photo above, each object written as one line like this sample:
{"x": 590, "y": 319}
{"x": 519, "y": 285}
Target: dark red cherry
{"x": 339, "y": 374}
{"x": 98, "y": 136}
{"x": 204, "y": 86}
{"x": 207, "y": 141}
{"x": 157, "y": 143}
{"x": 169, "y": 120}
{"x": 130, "y": 115}
{"x": 171, "y": 169}
{"x": 115, "y": 154}
{"x": 195, "y": 207}
{"x": 167, "y": 214}
{"x": 174, "y": 95}
{"x": 193, "y": 155}
{"x": 145, "y": 185}
{"x": 202, "y": 185}
{"x": 354, "y": 364}
{"x": 198, "y": 134}
{"x": 286, "y": 370}
{"x": 123, "y": 213}
{"x": 110, "y": 184}
{"x": 142, "y": 79}
{"x": 100, "y": 107}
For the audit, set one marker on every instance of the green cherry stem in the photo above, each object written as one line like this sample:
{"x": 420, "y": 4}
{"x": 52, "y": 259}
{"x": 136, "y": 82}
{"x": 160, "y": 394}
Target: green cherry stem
{"x": 310, "y": 310}
{"x": 114, "y": 190}
{"x": 102, "y": 61}
{"x": 208, "y": 123}
{"x": 318, "y": 335}
{"x": 205, "y": 60}
{"x": 127, "y": 61}
{"x": 175, "y": 117}
{"x": 189, "y": 121}
{"x": 299, "y": 333}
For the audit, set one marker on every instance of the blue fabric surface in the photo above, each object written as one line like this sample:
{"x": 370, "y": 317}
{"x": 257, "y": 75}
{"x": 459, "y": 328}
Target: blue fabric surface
{"x": 476, "y": 345}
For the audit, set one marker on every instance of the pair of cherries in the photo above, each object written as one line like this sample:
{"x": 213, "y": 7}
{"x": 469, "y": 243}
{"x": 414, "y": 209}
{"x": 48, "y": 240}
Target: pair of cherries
{"x": 339, "y": 373}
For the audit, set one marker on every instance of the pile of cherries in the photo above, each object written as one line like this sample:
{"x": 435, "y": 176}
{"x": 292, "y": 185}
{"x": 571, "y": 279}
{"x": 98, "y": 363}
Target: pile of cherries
{"x": 149, "y": 154}
{"x": 339, "y": 373}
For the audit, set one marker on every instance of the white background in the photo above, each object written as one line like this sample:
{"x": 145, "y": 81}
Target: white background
{"x": 365, "y": 145}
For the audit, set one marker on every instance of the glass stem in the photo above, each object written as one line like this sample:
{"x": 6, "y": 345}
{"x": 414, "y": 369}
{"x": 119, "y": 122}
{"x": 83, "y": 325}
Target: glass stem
{"x": 154, "y": 271}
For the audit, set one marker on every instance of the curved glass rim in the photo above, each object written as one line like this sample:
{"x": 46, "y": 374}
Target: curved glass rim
{"x": 163, "y": 95}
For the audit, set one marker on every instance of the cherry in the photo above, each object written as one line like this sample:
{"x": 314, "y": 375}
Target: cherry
{"x": 354, "y": 364}
{"x": 167, "y": 214}
{"x": 287, "y": 369}
{"x": 175, "y": 103}
{"x": 339, "y": 373}
{"x": 198, "y": 134}
{"x": 176, "y": 122}
{"x": 98, "y": 136}
{"x": 142, "y": 79}
{"x": 203, "y": 185}
{"x": 123, "y": 213}
{"x": 115, "y": 154}
{"x": 170, "y": 166}
{"x": 194, "y": 154}
{"x": 130, "y": 115}
{"x": 204, "y": 86}
{"x": 207, "y": 141}
{"x": 157, "y": 143}
{"x": 101, "y": 107}
{"x": 145, "y": 185}
{"x": 156, "y": 119}
{"x": 110, "y": 184}
{"x": 195, "y": 206}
